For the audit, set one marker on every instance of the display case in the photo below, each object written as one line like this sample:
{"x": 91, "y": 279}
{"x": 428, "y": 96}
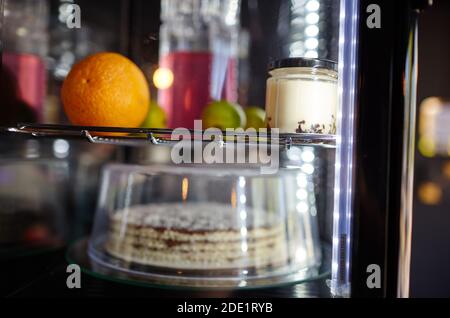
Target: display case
{"x": 212, "y": 195}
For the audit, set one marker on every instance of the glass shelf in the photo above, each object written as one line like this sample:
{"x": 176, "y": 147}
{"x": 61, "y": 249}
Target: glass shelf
{"x": 77, "y": 253}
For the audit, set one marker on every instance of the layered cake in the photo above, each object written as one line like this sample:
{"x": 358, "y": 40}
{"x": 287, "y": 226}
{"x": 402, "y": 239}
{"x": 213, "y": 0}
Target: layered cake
{"x": 196, "y": 236}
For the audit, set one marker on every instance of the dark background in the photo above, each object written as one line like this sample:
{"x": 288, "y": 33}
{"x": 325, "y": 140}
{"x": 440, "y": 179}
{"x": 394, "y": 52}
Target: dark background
{"x": 430, "y": 274}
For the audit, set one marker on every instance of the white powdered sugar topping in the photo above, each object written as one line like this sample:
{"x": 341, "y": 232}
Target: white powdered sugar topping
{"x": 194, "y": 217}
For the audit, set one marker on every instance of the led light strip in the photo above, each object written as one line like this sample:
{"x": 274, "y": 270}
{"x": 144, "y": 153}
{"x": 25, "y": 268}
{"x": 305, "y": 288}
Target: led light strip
{"x": 344, "y": 181}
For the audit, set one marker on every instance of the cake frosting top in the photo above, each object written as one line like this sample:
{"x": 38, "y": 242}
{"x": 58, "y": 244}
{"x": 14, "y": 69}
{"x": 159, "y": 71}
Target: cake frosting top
{"x": 194, "y": 217}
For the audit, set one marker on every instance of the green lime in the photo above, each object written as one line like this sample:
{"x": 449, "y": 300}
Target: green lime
{"x": 255, "y": 117}
{"x": 156, "y": 117}
{"x": 223, "y": 115}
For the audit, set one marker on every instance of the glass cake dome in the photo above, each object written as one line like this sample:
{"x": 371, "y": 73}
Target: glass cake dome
{"x": 205, "y": 226}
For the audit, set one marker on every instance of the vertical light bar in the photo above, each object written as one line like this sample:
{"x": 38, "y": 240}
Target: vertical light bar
{"x": 344, "y": 181}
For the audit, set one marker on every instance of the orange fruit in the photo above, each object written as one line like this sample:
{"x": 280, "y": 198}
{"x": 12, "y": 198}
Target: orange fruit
{"x": 106, "y": 89}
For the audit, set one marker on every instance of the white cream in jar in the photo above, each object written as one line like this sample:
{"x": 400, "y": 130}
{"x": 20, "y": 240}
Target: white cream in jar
{"x": 302, "y": 96}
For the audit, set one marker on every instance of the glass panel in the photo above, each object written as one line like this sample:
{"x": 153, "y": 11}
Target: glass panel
{"x": 279, "y": 66}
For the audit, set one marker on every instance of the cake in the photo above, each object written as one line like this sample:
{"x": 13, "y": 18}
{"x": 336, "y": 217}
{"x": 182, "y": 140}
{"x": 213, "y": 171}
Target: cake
{"x": 196, "y": 236}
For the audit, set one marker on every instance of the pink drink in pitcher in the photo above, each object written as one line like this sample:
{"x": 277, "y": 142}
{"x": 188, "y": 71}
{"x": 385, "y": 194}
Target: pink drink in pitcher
{"x": 199, "y": 78}
{"x": 28, "y": 71}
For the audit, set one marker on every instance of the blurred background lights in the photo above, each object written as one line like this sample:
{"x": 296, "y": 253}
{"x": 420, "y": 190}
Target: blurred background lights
{"x": 312, "y": 54}
{"x": 294, "y": 154}
{"x": 308, "y": 168}
{"x": 302, "y": 194}
{"x": 302, "y": 182}
{"x": 242, "y": 283}
{"x": 302, "y": 207}
{"x": 61, "y": 148}
{"x": 312, "y": 43}
{"x": 241, "y": 182}
{"x": 434, "y": 131}
{"x": 446, "y": 170}
{"x": 312, "y": 18}
{"x": 308, "y": 156}
{"x": 427, "y": 147}
{"x": 430, "y": 193}
{"x": 233, "y": 198}
{"x": 163, "y": 78}
{"x": 312, "y": 30}
{"x": 305, "y": 31}
{"x": 184, "y": 188}
{"x": 22, "y": 31}
{"x": 312, "y": 5}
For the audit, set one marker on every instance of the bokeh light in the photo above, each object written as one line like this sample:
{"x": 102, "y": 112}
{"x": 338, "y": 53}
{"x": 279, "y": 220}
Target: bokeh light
{"x": 446, "y": 169}
{"x": 163, "y": 78}
{"x": 430, "y": 193}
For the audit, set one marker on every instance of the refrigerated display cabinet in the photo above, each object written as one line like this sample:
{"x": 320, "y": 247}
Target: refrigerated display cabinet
{"x": 339, "y": 209}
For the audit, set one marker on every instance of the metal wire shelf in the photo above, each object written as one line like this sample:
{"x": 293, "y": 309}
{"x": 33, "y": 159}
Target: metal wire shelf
{"x": 147, "y": 136}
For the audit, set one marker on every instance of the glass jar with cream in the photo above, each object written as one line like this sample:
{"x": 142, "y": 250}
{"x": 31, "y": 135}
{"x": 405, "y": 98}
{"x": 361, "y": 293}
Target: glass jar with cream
{"x": 302, "y": 96}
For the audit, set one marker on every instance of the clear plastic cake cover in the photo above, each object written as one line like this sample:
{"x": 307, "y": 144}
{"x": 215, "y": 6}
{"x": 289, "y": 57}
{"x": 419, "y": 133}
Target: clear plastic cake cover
{"x": 207, "y": 225}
